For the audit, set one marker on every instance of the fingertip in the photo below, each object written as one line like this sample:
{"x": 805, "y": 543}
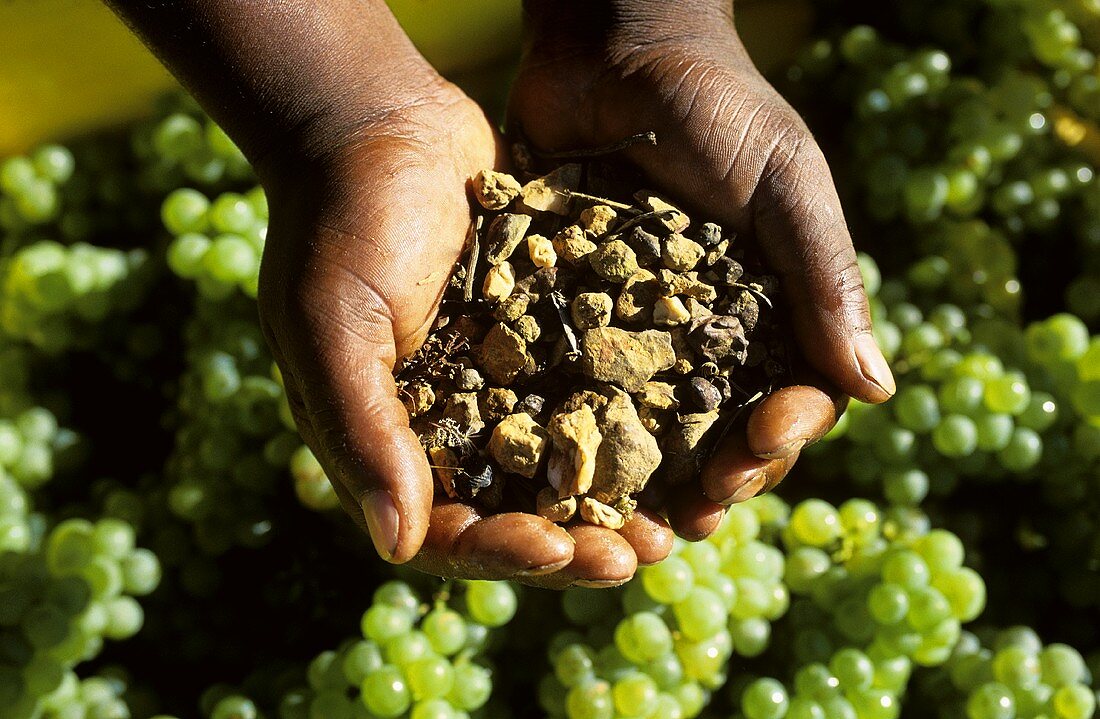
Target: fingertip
{"x": 602, "y": 558}
{"x": 789, "y": 419}
{"x": 694, "y": 517}
{"x": 731, "y": 468}
{"x": 649, "y": 535}
{"x": 514, "y": 544}
{"x": 875, "y": 370}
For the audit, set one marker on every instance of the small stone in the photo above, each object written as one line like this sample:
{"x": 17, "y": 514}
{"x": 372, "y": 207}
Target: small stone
{"x": 518, "y": 443}
{"x": 729, "y": 270}
{"x": 697, "y": 310}
{"x": 627, "y": 359}
{"x": 573, "y": 245}
{"x": 528, "y": 328}
{"x": 677, "y": 222}
{"x": 646, "y": 245}
{"x": 591, "y": 310}
{"x": 682, "y": 366}
{"x": 549, "y": 505}
{"x": 477, "y": 480}
{"x": 628, "y": 454}
{"x": 600, "y": 514}
{"x": 532, "y": 404}
{"x": 462, "y": 409}
{"x": 541, "y": 251}
{"x": 500, "y": 280}
{"x": 700, "y": 291}
{"x": 685, "y": 446}
{"x": 575, "y": 440}
{"x": 720, "y": 337}
{"x": 636, "y": 300}
{"x": 655, "y": 421}
{"x": 670, "y": 311}
{"x": 497, "y": 402}
{"x": 551, "y": 193}
{"x": 512, "y": 307}
{"x": 598, "y": 219}
{"x": 710, "y": 234}
{"x": 716, "y": 253}
{"x": 703, "y": 395}
{"x": 470, "y": 379}
{"x": 418, "y": 398}
{"x": 681, "y": 254}
{"x": 505, "y": 233}
{"x": 444, "y": 465}
{"x": 495, "y": 190}
{"x": 723, "y": 385}
{"x": 746, "y": 308}
{"x": 614, "y": 261}
{"x": 503, "y": 354}
{"x": 658, "y": 395}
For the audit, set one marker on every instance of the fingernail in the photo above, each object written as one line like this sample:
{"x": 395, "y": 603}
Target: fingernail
{"x": 544, "y": 569}
{"x": 873, "y": 364}
{"x": 784, "y": 450}
{"x": 750, "y": 488}
{"x": 600, "y": 583}
{"x": 382, "y": 520}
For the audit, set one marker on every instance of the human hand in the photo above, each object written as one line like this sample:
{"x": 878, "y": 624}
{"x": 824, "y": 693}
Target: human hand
{"x": 730, "y": 148}
{"x": 360, "y": 248}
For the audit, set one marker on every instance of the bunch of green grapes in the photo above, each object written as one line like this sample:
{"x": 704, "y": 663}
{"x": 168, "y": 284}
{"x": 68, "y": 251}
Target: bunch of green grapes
{"x": 1010, "y": 674}
{"x": 30, "y": 187}
{"x": 661, "y": 645}
{"x": 30, "y": 445}
{"x": 414, "y": 659}
{"x": 180, "y": 146}
{"x": 217, "y": 243}
{"x": 873, "y": 595}
{"x": 60, "y": 599}
{"x": 54, "y": 296}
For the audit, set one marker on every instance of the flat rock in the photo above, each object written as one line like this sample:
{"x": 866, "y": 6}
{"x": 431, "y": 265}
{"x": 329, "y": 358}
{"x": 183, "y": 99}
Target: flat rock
{"x": 505, "y": 233}
{"x": 518, "y": 443}
{"x": 503, "y": 354}
{"x": 628, "y": 454}
{"x": 623, "y": 358}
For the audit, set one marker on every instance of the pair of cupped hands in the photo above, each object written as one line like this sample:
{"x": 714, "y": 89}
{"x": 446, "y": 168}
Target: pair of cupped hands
{"x": 362, "y": 236}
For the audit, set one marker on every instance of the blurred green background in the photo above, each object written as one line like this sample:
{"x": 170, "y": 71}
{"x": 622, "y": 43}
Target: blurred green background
{"x": 69, "y": 66}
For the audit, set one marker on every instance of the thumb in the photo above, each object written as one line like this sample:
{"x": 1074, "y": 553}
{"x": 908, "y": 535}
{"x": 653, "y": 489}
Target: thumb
{"x": 800, "y": 227}
{"x": 364, "y": 442}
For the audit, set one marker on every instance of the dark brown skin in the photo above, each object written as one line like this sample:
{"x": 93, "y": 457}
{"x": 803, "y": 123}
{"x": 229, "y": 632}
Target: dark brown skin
{"x": 365, "y": 154}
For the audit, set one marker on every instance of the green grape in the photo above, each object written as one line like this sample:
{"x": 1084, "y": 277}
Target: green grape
{"x": 1023, "y": 451}
{"x": 906, "y": 569}
{"x": 385, "y": 693}
{"x": 185, "y": 211}
{"x": 802, "y": 708}
{"x": 398, "y": 595}
{"x": 1074, "y": 701}
{"x": 359, "y": 660}
{"x": 491, "y": 603}
{"x": 961, "y": 395}
{"x": 814, "y": 680}
{"x": 804, "y": 566}
{"x": 114, "y": 538}
{"x": 888, "y": 603}
{"x": 905, "y": 487}
{"x": 991, "y": 701}
{"x": 382, "y": 623}
{"x": 432, "y": 709}
{"x": 235, "y": 707}
{"x": 955, "y": 436}
{"x": 644, "y": 636}
{"x": 668, "y": 582}
{"x": 574, "y": 664}
{"x": 1015, "y": 667}
{"x": 765, "y": 699}
{"x": 994, "y": 431}
{"x": 941, "y": 550}
{"x": 1061, "y": 337}
{"x": 141, "y": 572}
{"x": 927, "y": 608}
{"x": 124, "y": 618}
{"x": 590, "y": 700}
{"x": 750, "y": 636}
{"x": 1008, "y": 394}
{"x": 815, "y": 522}
{"x": 430, "y": 678}
{"x": 917, "y": 408}
{"x": 704, "y": 558}
{"x": 701, "y": 614}
{"x": 407, "y": 648}
{"x": 104, "y": 577}
{"x": 853, "y": 669}
{"x": 634, "y": 695}
{"x": 185, "y": 254}
{"x": 1061, "y": 665}
{"x": 471, "y": 688}
{"x": 231, "y": 259}
{"x": 445, "y": 629}
{"x": 232, "y": 213}
{"x": 1040, "y": 413}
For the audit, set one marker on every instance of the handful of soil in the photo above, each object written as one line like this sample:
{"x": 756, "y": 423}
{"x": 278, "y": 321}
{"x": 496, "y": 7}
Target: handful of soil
{"x": 586, "y": 345}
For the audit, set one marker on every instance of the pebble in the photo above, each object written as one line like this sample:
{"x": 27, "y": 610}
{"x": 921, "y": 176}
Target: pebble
{"x": 720, "y": 337}
{"x": 528, "y": 328}
{"x": 496, "y": 403}
{"x": 557, "y": 509}
{"x": 591, "y": 309}
{"x": 636, "y": 300}
{"x": 669, "y": 311}
{"x": 503, "y": 354}
{"x": 418, "y": 398}
{"x": 624, "y": 358}
{"x": 628, "y": 454}
{"x": 461, "y": 407}
{"x": 703, "y": 394}
{"x": 512, "y": 308}
{"x": 500, "y": 280}
{"x": 600, "y": 514}
{"x": 573, "y": 245}
{"x": 505, "y": 233}
{"x": 517, "y": 444}
{"x": 470, "y": 379}
{"x": 495, "y": 190}
{"x": 677, "y": 222}
{"x": 574, "y": 440}
{"x": 614, "y": 261}
{"x": 658, "y": 395}
{"x": 598, "y": 219}
{"x": 551, "y": 193}
{"x": 646, "y": 245}
{"x": 541, "y": 251}
{"x": 710, "y": 234}
{"x": 684, "y": 447}
{"x": 681, "y": 254}
{"x": 444, "y": 465}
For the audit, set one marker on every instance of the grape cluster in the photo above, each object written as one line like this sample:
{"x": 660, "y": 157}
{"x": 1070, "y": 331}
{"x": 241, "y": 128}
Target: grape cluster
{"x": 60, "y": 599}
{"x": 992, "y": 675}
{"x": 54, "y": 296}
{"x": 30, "y": 187}
{"x": 660, "y": 646}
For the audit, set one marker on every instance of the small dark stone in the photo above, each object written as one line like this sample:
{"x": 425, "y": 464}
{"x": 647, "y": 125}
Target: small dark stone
{"x": 703, "y": 394}
{"x": 532, "y": 404}
{"x": 728, "y": 270}
{"x": 645, "y": 244}
{"x": 546, "y": 280}
{"x": 471, "y": 480}
{"x": 719, "y": 337}
{"x": 710, "y": 234}
{"x": 746, "y": 308}
{"x": 724, "y": 387}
